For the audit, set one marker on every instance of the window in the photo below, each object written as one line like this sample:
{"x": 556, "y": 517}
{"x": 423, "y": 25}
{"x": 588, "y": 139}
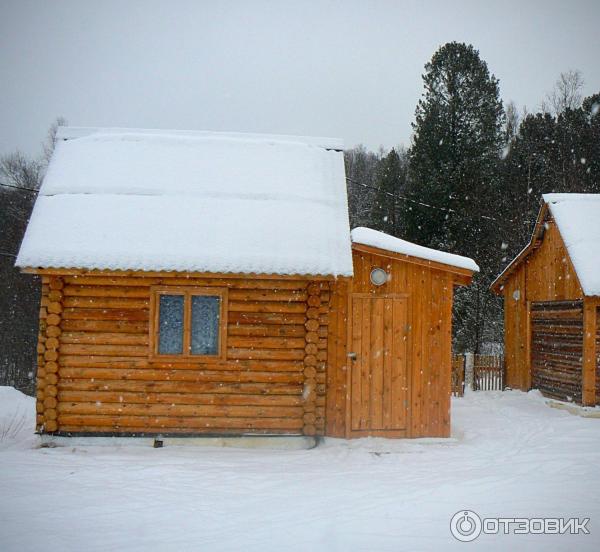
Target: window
{"x": 188, "y": 323}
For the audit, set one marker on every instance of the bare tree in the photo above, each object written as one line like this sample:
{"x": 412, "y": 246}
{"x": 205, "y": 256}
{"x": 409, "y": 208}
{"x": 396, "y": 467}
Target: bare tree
{"x": 566, "y": 93}
{"x": 512, "y": 120}
{"x": 19, "y": 171}
{"x": 20, "y": 178}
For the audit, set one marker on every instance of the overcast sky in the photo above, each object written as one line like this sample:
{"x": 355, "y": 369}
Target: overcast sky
{"x": 343, "y": 69}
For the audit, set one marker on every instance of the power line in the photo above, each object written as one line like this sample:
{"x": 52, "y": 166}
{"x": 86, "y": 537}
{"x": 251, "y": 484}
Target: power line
{"x": 7, "y": 254}
{"x": 19, "y": 187}
{"x": 423, "y": 204}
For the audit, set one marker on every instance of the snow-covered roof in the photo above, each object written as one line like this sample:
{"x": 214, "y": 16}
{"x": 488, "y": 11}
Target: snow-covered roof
{"x": 577, "y": 217}
{"x": 127, "y": 199}
{"x": 373, "y": 238}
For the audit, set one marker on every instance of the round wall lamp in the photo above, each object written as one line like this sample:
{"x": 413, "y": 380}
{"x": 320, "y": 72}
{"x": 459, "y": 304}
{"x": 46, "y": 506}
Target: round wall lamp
{"x": 379, "y": 276}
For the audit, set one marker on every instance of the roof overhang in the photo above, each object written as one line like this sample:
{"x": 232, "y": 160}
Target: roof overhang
{"x": 461, "y": 276}
{"x": 537, "y": 237}
{"x": 175, "y": 274}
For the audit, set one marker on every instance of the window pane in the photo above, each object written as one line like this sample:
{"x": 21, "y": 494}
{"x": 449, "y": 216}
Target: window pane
{"x": 170, "y": 341}
{"x": 205, "y": 324}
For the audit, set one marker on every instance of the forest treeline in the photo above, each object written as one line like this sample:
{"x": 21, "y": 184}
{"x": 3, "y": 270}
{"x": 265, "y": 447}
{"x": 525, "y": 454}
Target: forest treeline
{"x": 470, "y": 183}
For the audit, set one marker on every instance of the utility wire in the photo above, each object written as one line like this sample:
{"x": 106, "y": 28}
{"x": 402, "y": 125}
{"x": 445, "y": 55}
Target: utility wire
{"x": 19, "y": 187}
{"x": 423, "y": 204}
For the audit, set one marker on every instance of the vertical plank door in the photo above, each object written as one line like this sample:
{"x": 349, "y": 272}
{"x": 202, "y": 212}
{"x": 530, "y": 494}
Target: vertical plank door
{"x": 379, "y": 343}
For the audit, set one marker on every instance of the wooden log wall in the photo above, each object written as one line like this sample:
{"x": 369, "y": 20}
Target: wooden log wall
{"x": 557, "y": 348}
{"x": 272, "y": 381}
{"x": 315, "y": 359}
{"x": 48, "y": 354}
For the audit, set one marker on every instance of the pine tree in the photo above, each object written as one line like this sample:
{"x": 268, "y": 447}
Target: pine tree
{"x": 454, "y": 157}
{"x": 391, "y": 181}
{"x": 454, "y": 161}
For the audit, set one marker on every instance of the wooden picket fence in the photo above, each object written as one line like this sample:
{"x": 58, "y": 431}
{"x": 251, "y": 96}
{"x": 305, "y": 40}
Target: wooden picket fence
{"x": 488, "y": 373}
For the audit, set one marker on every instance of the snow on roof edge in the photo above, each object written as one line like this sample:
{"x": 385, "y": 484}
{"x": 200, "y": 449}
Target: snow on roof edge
{"x": 561, "y": 197}
{"x": 374, "y": 238}
{"x": 69, "y": 133}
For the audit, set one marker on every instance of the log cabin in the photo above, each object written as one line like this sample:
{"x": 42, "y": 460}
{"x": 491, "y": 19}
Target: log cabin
{"x": 551, "y": 296}
{"x": 199, "y": 283}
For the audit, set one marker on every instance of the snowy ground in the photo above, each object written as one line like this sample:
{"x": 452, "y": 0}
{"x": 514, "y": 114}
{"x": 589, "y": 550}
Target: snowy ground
{"x": 513, "y": 456}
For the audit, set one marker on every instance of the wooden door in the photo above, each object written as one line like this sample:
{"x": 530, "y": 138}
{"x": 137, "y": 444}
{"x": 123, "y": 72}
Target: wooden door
{"x": 378, "y": 345}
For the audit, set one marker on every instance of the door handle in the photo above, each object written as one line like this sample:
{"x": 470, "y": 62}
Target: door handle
{"x": 352, "y": 356}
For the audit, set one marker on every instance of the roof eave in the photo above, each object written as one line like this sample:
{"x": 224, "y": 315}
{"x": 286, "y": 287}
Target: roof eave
{"x": 535, "y": 241}
{"x": 64, "y": 271}
{"x": 463, "y": 276}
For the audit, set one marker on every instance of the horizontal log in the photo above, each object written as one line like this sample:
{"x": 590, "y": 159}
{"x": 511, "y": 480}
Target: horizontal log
{"x": 188, "y": 387}
{"x": 309, "y": 418}
{"x": 313, "y": 288}
{"x": 185, "y": 410}
{"x": 54, "y": 308}
{"x": 55, "y": 295}
{"x": 106, "y": 302}
{"x": 241, "y": 283}
{"x": 312, "y": 313}
{"x": 56, "y": 283}
{"x": 309, "y": 429}
{"x": 267, "y": 307}
{"x": 310, "y": 360}
{"x": 183, "y": 431}
{"x": 266, "y": 342}
{"x": 53, "y": 331}
{"x": 265, "y": 330}
{"x": 50, "y": 425}
{"x": 51, "y": 355}
{"x": 178, "y": 423}
{"x": 314, "y": 301}
{"x": 53, "y": 319}
{"x": 267, "y": 295}
{"x": 104, "y": 338}
{"x": 226, "y": 399}
{"x": 111, "y": 326}
{"x": 181, "y": 375}
{"x": 265, "y": 365}
{"x": 103, "y": 350}
{"x": 311, "y": 349}
{"x": 310, "y": 372}
{"x": 574, "y": 314}
{"x": 132, "y": 315}
{"x": 265, "y": 318}
{"x": 51, "y": 367}
{"x": 52, "y": 343}
{"x": 50, "y": 402}
{"x": 266, "y": 354}
{"x": 106, "y": 291}
{"x": 312, "y": 337}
